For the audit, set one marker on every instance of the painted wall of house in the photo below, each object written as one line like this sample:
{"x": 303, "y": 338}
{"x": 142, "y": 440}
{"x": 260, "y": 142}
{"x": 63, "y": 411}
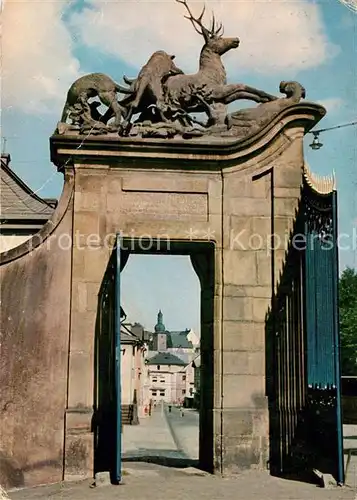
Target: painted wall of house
{"x": 135, "y": 376}
{"x": 144, "y": 394}
{"x": 190, "y": 381}
{"x": 8, "y": 241}
{"x": 168, "y": 384}
{"x": 193, "y": 338}
{"x": 128, "y": 360}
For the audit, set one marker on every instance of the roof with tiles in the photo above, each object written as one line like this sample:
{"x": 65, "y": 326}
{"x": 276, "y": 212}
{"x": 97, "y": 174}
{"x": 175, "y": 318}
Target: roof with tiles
{"x": 177, "y": 340}
{"x": 165, "y": 358}
{"x": 127, "y": 336}
{"x": 18, "y": 202}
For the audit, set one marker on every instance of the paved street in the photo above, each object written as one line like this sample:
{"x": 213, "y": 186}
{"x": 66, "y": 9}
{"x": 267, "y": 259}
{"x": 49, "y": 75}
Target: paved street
{"x": 158, "y": 456}
{"x": 184, "y": 426}
{"x": 142, "y": 481}
{"x": 152, "y": 441}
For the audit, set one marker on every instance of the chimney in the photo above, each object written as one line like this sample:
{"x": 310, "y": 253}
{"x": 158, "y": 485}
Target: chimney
{"x": 5, "y": 159}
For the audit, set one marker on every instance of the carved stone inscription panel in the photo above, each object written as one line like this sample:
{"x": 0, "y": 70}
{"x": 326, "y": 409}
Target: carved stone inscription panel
{"x": 164, "y": 206}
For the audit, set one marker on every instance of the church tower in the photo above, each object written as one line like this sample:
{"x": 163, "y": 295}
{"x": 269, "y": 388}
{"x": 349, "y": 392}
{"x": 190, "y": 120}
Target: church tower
{"x": 160, "y": 332}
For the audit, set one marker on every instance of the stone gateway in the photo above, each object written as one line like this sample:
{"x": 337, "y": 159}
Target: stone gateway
{"x": 209, "y": 190}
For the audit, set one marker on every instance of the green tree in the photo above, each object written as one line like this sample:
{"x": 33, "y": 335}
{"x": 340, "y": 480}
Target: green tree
{"x": 348, "y": 321}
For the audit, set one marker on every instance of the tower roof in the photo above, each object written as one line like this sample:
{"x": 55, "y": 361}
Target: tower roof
{"x": 160, "y": 327}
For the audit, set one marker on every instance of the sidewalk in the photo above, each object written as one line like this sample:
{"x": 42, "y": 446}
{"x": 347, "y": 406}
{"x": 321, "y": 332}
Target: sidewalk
{"x": 350, "y": 441}
{"x": 151, "y": 440}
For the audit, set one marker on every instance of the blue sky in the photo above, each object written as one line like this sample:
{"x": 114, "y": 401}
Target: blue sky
{"x": 312, "y": 42}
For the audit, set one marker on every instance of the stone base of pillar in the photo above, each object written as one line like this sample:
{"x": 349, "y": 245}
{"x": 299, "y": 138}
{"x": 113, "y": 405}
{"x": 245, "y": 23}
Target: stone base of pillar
{"x": 79, "y": 449}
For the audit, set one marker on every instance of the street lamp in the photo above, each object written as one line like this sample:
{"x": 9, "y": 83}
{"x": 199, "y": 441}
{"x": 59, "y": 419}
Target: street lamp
{"x": 316, "y": 144}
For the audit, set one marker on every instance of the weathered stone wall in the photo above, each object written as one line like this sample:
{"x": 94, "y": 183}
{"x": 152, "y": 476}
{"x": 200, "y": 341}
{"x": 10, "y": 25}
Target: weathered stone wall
{"x": 35, "y": 307}
{"x": 259, "y": 201}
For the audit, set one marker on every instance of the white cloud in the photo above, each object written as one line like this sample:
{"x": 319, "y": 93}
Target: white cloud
{"x": 275, "y": 35}
{"x": 38, "y": 65}
{"x": 332, "y": 104}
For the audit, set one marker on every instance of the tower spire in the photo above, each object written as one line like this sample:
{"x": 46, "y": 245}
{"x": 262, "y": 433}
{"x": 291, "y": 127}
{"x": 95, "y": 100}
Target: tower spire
{"x": 160, "y": 327}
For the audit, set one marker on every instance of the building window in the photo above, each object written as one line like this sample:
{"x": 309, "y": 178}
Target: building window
{"x": 183, "y": 391}
{"x": 183, "y": 377}
{"x": 158, "y": 367}
{"x": 162, "y": 393}
{"x": 154, "y": 392}
{"x": 154, "y": 379}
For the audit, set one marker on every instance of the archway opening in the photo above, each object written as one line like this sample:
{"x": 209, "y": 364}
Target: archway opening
{"x": 160, "y": 363}
{"x": 166, "y": 356}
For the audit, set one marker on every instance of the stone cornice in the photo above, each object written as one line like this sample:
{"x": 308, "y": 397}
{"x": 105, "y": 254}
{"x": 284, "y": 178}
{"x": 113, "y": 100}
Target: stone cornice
{"x": 210, "y": 153}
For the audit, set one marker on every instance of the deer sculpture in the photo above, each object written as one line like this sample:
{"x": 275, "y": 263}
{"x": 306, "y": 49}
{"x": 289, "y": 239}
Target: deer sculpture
{"x": 194, "y": 92}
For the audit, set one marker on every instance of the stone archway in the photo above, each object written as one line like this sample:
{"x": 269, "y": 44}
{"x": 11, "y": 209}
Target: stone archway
{"x": 194, "y": 191}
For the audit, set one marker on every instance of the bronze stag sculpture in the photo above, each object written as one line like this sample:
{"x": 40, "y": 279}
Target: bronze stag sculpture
{"x": 209, "y": 84}
{"x": 164, "y": 98}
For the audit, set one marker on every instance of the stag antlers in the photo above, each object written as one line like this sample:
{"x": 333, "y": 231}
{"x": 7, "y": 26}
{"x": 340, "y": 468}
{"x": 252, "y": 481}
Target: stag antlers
{"x": 214, "y": 31}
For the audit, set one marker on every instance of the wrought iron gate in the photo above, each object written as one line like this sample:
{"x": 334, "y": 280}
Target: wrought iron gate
{"x": 303, "y": 372}
{"x": 107, "y": 390}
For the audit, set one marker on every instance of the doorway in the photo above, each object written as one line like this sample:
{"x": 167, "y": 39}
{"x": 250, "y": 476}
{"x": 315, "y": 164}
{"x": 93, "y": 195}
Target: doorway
{"x": 166, "y": 374}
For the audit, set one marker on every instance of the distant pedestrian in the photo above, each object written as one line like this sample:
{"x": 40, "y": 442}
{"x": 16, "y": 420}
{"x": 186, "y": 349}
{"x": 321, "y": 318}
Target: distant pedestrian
{"x": 182, "y": 413}
{"x": 169, "y": 408}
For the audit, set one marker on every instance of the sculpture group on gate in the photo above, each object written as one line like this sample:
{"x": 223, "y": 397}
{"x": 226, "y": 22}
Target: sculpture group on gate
{"x": 163, "y": 101}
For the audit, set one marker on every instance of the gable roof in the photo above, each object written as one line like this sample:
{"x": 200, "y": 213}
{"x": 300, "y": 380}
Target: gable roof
{"x": 128, "y": 337}
{"x": 176, "y": 340}
{"x": 18, "y": 203}
{"x": 165, "y": 358}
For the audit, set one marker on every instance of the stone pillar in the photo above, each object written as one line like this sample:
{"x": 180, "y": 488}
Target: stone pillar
{"x": 260, "y": 205}
{"x": 90, "y": 258}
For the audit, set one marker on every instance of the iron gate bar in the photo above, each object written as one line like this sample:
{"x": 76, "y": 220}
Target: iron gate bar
{"x": 341, "y": 471}
{"x": 323, "y": 409}
{"x": 117, "y": 309}
{"x": 302, "y": 347}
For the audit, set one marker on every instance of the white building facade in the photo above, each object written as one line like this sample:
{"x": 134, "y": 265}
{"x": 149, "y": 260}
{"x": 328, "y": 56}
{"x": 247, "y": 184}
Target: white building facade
{"x": 168, "y": 378}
